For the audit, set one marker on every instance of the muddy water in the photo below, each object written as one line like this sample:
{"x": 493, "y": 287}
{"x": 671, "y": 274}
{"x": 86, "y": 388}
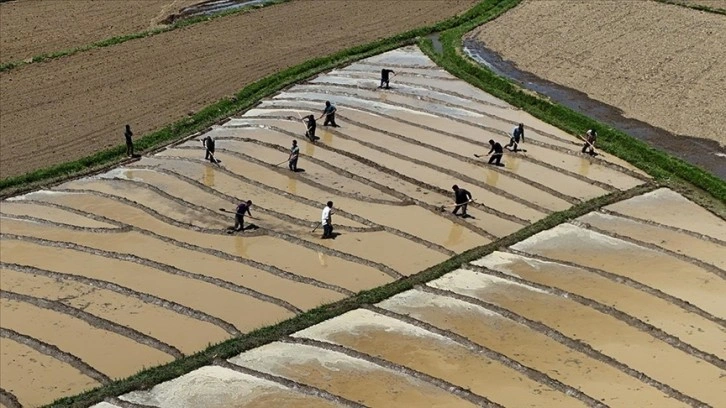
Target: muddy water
{"x": 411, "y": 219}
{"x": 437, "y": 356}
{"x": 707, "y": 336}
{"x": 187, "y": 334}
{"x": 364, "y": 67}
{"x": 348, "y": 377}
{"x": 228, "y": 185}
{"x": 203, "y": 296}
{"x": 530, "y": 348}
{"x": 150, "y": 199}
{"x": 700, "y": 153}
{"x": 218, "y": 387}
{"x": 558, "y": 159}
{"x": 36, "y": 378}
{"x": 299, "y": 294}
{"x": 94, "y": 346}
{"x": 673, "y": 210}
{"x": 266, "y": 250}
{"x": 50, "y": 214}
{"x": 491, "y": 223}
{"x": 612, "y": 337}
{"x": 654, "y": 268}
{"x": 407, "y": 56}
{"x": 706, "y": 251}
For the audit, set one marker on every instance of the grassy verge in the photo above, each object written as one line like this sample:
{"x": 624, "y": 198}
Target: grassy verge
{"x": 244, "y": 99}
{"x": 148, "y": 378}
{"x": 660, "y": 165}
{"x": 699, "y": 7}
{"x": 128, "y": 37}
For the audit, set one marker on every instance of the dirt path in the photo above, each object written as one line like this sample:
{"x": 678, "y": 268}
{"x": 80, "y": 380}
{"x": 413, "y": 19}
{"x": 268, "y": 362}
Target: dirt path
{"x": 68, "y": 108}
{"x": 660, "y": 64}
{"x": 30, "y": 28}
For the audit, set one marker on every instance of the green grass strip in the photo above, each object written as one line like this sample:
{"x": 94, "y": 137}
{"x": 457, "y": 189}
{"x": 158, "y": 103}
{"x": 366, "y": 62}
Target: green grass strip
{"x": 128, "y": 37}
{"x": 224, "y": 108}
{"x": 230, "y": 348}
{"x": 656, "y": 163}
{"x": 694, "y": 6}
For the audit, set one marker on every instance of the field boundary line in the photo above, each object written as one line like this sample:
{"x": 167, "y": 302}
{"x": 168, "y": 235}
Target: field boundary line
{"x": 120, "y": 39}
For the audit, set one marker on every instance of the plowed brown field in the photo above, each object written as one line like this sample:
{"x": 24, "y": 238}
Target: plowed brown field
{"x": 662, "y": 64}
{"x": 42, "y": 26}
{"x": 70, "y": 107}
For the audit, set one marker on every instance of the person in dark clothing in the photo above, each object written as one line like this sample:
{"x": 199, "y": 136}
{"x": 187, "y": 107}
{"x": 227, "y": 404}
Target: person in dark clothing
{"x": 208, "y": 142}
{"x": 498, "y": 152}
{"x": 310, "y": 123}
{"x": 462, "y": 198}
{"x": 590, "y": 143}
{"x": 384, "y": 77}
{"x": 517, "y": 134}
{"x": 327, "y": 220}
{"x": 239, "y": 216}
{"x": 329, "y": 113}
{"x": 294, "y": 154}
{"x": 129, "y": 144}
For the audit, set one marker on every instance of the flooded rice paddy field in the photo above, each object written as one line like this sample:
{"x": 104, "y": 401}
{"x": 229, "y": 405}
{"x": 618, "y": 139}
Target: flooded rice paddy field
{"x": 603, "y": 311}
{"x": 133, "y": 268}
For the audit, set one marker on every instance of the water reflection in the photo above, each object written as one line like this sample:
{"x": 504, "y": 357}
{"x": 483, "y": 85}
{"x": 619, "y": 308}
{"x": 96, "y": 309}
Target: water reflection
{"x": 208, "y": 178}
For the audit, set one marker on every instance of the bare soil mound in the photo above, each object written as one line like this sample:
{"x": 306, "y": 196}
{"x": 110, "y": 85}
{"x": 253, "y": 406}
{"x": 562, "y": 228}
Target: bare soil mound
{"x": 71, "y": 107}
{"x": 659, "y": 63}
{"x": 36, "y": 27}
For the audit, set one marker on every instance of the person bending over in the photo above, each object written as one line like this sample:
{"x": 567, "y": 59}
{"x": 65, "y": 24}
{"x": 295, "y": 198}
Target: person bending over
{"x": 462, "y": 198}
{"x": 498, "y": 152}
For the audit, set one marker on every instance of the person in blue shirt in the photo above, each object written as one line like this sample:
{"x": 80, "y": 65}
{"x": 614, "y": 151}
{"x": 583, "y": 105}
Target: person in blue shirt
{"x": 329, "y": 113}
{"x": 239, "y": 216}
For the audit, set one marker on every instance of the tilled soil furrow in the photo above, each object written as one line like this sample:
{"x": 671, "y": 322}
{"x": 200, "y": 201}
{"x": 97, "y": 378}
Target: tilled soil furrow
{"x": 8, "y": 399}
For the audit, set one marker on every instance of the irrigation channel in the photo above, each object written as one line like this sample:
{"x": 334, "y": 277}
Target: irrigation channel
{"x": 132, "y": 268}
{"x": 701, "y": 152}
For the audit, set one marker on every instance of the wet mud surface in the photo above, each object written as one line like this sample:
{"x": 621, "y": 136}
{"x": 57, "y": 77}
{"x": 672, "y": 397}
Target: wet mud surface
{"x": 161, "y": 276}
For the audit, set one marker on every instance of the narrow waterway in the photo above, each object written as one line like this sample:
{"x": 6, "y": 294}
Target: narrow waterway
{"x": 701, "y": 152}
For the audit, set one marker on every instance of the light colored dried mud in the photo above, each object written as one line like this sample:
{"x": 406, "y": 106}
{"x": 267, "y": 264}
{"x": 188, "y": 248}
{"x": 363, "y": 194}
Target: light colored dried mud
{"x": 219, "y": 387}
{"x": 529, "y": 347}
{"x": 653, "y": 268}
{"x": 156, "y": 80}
{"x": 437, "y": 356}
{"x": 603, "y": 332}
{"x": 348, "y": 377}
{"x": 50, "y": 214}
{"x": 36, "y": 378}
{"x": 299, "y": 260}
{"x": 620, "y": 60}
{"x": 187, "y": 334}
{"x": 709, "y": 336}
{"x": 299, "y": 294}
{"x": 217, "y": 301}
{"x": 688, "y": 245}
{"x": 92, "y": 345}
{"x": 673, "y": 210}
{"x": 30, "y": 28}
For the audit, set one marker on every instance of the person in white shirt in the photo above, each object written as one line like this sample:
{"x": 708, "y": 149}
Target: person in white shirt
{"x": 590, "y": 142}
{"x": 327, "y": 220}
{"x": 517, "y": 135}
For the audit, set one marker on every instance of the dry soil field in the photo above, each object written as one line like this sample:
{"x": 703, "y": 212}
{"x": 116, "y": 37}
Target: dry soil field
{"x": 70, "y": 107}
{"x": 33, "y": 27}
{"x": 659, "y": 63}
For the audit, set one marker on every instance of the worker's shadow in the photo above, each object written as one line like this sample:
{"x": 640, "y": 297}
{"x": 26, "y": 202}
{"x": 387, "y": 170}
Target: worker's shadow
{"x": 334, "y": 235}
{"x": 299, "y": 170}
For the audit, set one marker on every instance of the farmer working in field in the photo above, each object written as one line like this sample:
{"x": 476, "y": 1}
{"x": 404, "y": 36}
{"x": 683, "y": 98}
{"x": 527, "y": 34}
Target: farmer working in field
{"x": 384, "y": 77}
{"x": 129, "y": 144}
{"x": 498, "y": 152}
{"x": 329, "y": 113}
{"x": 517, "y": 134}
{"x": 590, "y": 143}
{"x": 239, "y": 216}
{"x": 294, "y": 154}
{"x": 327, "y": 220}
{"x": 309, "y": 121}
{"x": 208, "y": 142}
{"x": 462, "y": 198}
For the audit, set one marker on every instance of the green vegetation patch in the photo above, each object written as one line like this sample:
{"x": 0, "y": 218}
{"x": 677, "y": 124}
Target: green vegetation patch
{"x": 660, "y": 165}
{"x": 695, "y": 6}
